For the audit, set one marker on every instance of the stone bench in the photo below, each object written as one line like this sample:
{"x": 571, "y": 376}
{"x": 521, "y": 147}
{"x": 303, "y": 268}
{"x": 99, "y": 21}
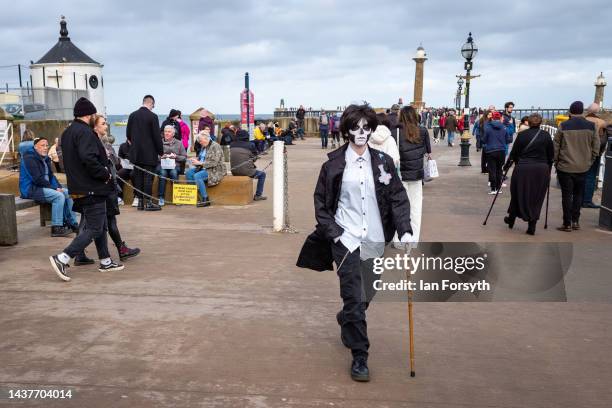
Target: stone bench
{"x": 233, "y": 190}
{"x": 9, "y": 205}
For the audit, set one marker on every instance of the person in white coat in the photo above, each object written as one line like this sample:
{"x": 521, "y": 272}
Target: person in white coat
{"x": 381, "y": 139}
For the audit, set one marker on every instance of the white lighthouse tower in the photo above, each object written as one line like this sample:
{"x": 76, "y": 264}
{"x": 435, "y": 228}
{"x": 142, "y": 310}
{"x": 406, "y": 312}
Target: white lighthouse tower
{"x": 65, "y": 66}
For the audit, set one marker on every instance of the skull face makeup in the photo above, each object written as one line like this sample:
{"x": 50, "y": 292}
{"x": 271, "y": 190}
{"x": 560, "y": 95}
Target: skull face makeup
{"x": 360, "y": 133}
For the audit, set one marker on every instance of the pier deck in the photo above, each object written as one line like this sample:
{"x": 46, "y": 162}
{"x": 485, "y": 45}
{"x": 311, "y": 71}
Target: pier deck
{"x": 214, "y": 313}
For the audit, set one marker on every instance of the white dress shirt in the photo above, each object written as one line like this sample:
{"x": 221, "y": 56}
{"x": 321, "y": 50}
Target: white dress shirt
{"x": 357, "y": 211}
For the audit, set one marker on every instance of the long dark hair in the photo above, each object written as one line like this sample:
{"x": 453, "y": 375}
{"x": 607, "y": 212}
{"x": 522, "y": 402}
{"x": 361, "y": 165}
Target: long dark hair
{"x": 409, "y": 119}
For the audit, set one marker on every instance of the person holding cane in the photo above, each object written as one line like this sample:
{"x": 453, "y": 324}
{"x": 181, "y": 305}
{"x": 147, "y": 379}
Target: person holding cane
{"x": 360, "y": 203}
{"x": 532, "y": 153}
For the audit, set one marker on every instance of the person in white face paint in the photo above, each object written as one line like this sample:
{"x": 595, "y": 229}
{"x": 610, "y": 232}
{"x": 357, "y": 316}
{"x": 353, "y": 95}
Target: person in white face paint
{"x": 359, "y": 204}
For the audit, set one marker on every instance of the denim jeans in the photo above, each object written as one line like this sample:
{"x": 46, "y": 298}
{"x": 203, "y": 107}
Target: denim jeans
{"x": 324, "y": 133}
{"x": 169, "y": 173}
{"x": 590, "y": 182}
{"x": 200, "y": 178}
{"x": 451, "y": 137}
{"x": 260, "y": 145}
{"x": 94, "y": 228}
{"x": 61, "y": 207}
{"x": 261, "y": 179}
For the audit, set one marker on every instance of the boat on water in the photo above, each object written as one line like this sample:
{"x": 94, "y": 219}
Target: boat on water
{"x": 120, "y": 123}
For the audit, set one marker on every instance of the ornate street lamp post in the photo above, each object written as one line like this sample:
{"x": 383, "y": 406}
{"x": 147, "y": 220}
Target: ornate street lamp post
{"x": 468, "y": 51}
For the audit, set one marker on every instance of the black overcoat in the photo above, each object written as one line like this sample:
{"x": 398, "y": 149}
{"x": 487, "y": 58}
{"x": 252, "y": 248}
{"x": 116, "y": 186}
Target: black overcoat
{"x": 392, "y": 199}
{"x": 144, "y": 132}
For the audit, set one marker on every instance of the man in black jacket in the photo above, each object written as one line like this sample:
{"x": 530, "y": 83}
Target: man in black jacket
{"x": 359, "y": 204}
{"x": 89, "y": 182}
{"x": 144, "y": 132}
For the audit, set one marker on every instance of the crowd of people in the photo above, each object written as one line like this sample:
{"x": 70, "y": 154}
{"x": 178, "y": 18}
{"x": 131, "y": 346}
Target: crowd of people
{"x": 97, "y": 175}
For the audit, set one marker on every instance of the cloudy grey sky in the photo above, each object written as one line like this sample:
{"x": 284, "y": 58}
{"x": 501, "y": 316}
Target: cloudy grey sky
{"x": 323, "y": 52}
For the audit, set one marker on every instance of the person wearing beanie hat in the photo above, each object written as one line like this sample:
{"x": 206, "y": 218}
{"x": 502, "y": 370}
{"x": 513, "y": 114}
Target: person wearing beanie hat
{"x": 83, "y": 107}
{"x": 591, "y": 177}
{"x": 577, "y": 145}
{"x": 495, "y": 140}
{"x": 576, "y": 108}
{"x": 89, "y": 179}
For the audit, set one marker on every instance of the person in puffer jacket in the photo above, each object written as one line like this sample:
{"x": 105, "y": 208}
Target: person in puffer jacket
{"x": 495, "y": 140}
{"x": 414, "y": 145}
{"x": 381, "y": 139}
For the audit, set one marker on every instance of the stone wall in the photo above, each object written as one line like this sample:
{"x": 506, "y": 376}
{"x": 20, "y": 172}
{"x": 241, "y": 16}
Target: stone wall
{"x": 49, "y": 129}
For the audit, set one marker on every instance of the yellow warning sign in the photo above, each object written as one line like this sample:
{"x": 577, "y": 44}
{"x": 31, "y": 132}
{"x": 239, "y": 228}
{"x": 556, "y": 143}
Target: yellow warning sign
{"x": 185, "y": 194}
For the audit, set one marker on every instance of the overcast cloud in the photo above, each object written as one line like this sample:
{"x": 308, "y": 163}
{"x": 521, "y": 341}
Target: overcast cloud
{"x": 322, "y": 53}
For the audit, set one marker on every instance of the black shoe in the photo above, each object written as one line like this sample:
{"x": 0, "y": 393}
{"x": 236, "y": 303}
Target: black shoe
{"x": 510, "y": 221}
{"x": 60, "y": 268}
{"x": 151, "y": 206}
{"x": 531, "y": 228}
{"x": 74, "y": 228}
{"x": 113, "y": 266}
{"x": 575, "y": 226}
{"x": 83, "y": 260}
{"x": 126, "y": 253}
{"x": 259, "y": 198}
{"x": 140, "y": 204}
{"x": 359, "y": 369}
{"x": 60, "y": 231}
{"x": 203, "y": 203}
{"x": 590, "y": 205}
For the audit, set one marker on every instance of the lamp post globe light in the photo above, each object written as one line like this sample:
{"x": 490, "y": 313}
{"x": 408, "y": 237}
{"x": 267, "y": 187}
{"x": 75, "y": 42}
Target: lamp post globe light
{"x": 468, "y": 51}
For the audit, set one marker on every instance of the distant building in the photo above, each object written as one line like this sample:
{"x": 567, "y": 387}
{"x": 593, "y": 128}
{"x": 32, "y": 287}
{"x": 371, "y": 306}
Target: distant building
{"x": 65, "y": 66}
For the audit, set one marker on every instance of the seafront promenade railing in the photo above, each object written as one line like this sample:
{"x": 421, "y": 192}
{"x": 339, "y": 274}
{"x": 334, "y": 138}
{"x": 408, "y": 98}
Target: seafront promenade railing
{"x": 547, "y": 113}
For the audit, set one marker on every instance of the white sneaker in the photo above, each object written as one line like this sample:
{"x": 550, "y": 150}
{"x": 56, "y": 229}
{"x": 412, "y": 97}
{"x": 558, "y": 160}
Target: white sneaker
{"x": 162, "y": 202}
{"x": 135, "y": 202}
{"x": 120, "y": 201}
{"x": 492, "y": 192}
{"x": 504, "y": 185}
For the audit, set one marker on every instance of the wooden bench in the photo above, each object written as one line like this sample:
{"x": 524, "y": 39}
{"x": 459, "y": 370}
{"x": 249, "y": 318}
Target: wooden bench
{"x": 233, "y": 190}
{"x": 9, "y": 205}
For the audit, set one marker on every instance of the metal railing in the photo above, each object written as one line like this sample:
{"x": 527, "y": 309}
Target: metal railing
{"x": 41, "y": 103}
{"x": 7, "y": 142}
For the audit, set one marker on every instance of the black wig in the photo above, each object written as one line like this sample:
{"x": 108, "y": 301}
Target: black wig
{"x": 353, "y": 114}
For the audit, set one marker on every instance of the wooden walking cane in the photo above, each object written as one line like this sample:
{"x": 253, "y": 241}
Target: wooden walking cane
{"x": 411, "y": 333}
{"x": 547, "y": 197}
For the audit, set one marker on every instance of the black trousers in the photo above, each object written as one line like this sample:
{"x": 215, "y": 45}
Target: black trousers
{"x": 143, "y": 181}
{"x": 125, "y": 174}
{"x": 495, "y": 164}
{"x": 572, "y": 192}
{"x": 483, "y": 161}
{"x": 93, "y": 217}
{"x": 356, "y": 289}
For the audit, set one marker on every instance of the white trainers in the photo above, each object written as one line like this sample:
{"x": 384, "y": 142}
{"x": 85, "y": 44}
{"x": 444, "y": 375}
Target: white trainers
{"x": 135, "y": 202}
{"x": 504, "y": 185}
{"x": 162, "y": 202}
{"x": 120, "y": 201}
{"x": 493, "y": 192}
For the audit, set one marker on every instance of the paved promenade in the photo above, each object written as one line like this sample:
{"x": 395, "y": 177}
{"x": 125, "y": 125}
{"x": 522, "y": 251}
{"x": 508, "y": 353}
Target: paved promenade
{"x": 214, "y": 313}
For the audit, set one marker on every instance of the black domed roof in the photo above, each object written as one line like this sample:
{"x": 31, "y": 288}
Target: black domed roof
{"x": 65, "y": 51}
